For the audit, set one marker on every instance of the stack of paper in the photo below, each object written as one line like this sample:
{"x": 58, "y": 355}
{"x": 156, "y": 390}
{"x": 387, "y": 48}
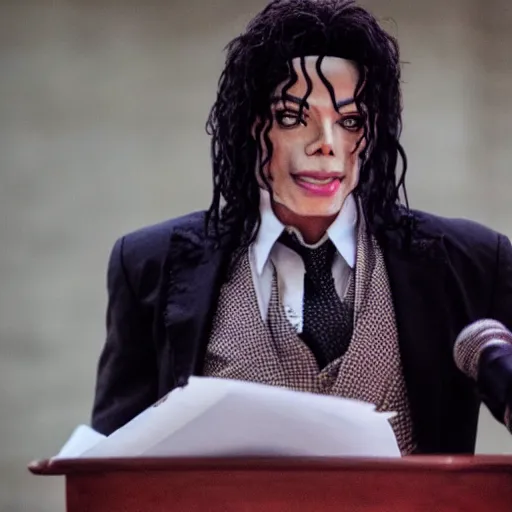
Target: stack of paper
{"x": 212, "y": 417}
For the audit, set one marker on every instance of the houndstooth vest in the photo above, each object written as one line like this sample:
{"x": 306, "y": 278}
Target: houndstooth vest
{"x": 242, "y": 346}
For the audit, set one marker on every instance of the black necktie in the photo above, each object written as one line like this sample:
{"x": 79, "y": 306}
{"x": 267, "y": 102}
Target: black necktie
{"x": 327, "y": 322}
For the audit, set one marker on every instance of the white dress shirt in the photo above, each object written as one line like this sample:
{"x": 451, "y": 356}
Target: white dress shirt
{"x": 266, "y": 252}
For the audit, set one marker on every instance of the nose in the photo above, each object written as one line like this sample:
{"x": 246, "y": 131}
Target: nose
{"x": 323, "y": 143}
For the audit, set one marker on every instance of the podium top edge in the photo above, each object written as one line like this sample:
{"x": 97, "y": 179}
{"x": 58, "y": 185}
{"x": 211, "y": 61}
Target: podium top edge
{"x": 418, "y": 462}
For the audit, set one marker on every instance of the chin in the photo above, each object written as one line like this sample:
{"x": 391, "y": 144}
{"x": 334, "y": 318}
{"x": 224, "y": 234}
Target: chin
{"x": 290, "y": 207}
{"x": 318, "y": 210}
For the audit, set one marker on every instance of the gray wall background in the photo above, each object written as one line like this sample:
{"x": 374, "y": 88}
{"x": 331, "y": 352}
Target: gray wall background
{"x": 102, "y": 109}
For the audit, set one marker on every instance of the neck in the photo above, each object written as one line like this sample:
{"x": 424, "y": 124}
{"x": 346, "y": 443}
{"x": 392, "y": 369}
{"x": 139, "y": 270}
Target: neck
{"x": 311, "y": 228}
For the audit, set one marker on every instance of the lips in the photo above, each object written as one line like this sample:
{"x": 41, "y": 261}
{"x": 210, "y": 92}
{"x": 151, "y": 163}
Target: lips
{"x": 318, "y": 183}
{"x": 317, "y": 177}
{"x": 321, "y": 175}
{"x": 315, "y": 180}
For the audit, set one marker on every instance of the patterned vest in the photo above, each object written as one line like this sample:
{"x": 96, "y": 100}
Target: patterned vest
{"x": 242, "y": 346}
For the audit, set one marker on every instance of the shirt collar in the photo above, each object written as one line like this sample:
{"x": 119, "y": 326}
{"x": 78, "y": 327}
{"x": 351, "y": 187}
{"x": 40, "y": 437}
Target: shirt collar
{"x": 269, "y": 231}
{"x": 342, "y": 231}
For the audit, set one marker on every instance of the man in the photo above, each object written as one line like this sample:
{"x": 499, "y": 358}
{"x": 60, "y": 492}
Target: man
{"x": 307, "y": 272}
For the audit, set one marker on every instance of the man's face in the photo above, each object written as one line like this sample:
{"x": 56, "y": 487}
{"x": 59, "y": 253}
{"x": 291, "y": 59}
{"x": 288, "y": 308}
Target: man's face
{"x": 314, "y": 165}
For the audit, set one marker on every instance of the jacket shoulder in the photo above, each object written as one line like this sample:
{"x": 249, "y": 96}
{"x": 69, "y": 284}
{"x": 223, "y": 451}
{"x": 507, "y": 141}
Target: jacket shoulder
{"x": 152, "y": 242}
{"x": 142, "y": 255}
{"x": 458, "y": 233}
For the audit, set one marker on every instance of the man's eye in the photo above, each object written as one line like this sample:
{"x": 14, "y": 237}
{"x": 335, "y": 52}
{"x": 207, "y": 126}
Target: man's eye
{"x": 352, "y": 123}
{"x": 289, "y": 119}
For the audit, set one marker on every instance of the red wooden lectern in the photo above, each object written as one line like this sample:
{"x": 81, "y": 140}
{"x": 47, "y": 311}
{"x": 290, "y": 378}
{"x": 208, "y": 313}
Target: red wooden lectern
{"x": 415, "y": 484}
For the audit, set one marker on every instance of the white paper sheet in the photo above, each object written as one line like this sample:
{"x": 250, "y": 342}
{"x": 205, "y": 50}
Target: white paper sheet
{"x": 82, "y": 439}
{"x": 219, "y": 417}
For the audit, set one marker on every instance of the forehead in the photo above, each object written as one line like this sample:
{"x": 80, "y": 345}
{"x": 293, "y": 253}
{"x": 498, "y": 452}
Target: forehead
{"x": 342, "y": 74}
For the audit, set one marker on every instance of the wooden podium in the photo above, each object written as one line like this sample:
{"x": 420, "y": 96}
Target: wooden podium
{"x": 414, "y": 484}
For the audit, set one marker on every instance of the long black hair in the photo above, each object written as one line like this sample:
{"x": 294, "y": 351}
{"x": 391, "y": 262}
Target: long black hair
{"x": 257, "y": 62}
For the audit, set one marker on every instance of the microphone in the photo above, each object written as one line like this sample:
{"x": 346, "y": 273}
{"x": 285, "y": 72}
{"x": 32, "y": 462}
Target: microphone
{"x": 483, "y": 352}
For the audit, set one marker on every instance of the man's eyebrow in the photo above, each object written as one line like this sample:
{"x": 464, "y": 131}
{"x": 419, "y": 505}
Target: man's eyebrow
{"x": 299, "y": 101}
{"x": 290, "y": 97}
{"x": 344, "y": 103}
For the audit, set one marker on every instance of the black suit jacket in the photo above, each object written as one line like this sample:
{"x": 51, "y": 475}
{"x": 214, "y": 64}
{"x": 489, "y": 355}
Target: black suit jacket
{"x": 164, "y": 281}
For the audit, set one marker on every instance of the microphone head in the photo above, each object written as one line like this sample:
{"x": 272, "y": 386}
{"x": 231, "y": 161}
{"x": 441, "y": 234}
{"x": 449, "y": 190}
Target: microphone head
{"x": 472, "y": 341}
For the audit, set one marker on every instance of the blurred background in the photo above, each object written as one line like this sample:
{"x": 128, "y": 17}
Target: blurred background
{"x": 102, "y": 112}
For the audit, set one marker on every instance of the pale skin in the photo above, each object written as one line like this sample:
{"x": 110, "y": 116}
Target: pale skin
{"x": 314, "y": 166}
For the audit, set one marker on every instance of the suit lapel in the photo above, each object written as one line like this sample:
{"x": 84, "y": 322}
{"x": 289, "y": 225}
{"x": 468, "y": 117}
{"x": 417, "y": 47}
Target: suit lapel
{"x": 417, "y": 275}
{"x": 195, "y": 276}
